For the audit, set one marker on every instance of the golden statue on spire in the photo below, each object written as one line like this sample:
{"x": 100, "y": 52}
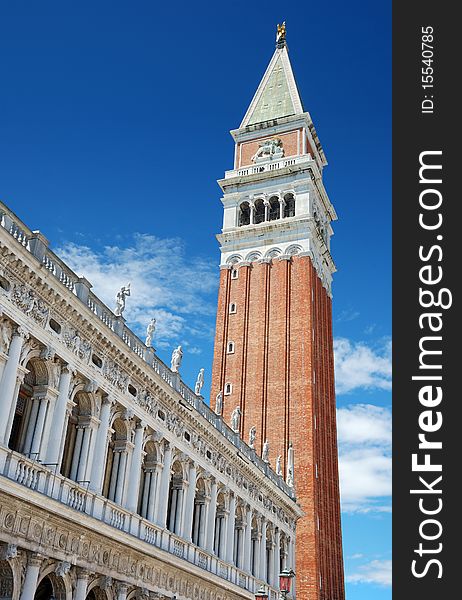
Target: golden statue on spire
{"x": 281, "y": 32}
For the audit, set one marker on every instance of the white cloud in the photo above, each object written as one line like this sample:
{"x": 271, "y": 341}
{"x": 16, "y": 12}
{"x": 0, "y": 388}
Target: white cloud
{"x": 378, "y": 572}
{"x": 178, "y": 290}
{"x": 364, "y": 436}
{"x": 360, "y": 366}
{"x": 346, "y": 315}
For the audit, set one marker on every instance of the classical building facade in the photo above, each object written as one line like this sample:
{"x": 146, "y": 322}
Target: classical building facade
{"x": 273, "y": 360}
{"x": 117, "y": 481}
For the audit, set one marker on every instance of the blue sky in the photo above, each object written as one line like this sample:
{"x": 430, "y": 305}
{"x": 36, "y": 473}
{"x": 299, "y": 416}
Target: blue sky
{"x": 114, "y": 121}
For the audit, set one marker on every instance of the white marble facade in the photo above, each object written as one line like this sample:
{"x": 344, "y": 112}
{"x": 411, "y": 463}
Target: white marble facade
{"x": 117, "y": 480}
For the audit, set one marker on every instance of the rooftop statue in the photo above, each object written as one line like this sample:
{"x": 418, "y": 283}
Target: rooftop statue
{"x": 199, "y": 382}
{"x": 177, "y": 355}
{"x": 120, "y": 300}
{"x": 150, "y": 332}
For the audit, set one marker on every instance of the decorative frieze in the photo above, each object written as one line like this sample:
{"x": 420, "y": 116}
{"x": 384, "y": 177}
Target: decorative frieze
{"x": 27, "y": 300}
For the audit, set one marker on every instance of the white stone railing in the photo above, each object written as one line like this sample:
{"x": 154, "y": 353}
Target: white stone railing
{"x": 37, "y": 245}
{"x": 269, "y": 166}
{"x": 43, "y": 480}
{"x": 18, "y": 231}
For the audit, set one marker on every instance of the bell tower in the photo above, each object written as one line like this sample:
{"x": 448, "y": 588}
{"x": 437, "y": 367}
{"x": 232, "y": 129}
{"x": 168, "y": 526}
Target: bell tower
{"x": 273, "y": 356}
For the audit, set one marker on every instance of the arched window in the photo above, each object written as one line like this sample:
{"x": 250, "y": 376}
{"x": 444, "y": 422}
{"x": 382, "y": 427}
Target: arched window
{"x": 148, "y": 483}
{"x": 244, "y": 214}
{"x": 219, "y": 544}
{"x": 274, "y": 208}
{"x": 23, "y": 413}
{"x": 232, "y": 308}
{"x": 175, "y": 499}
{"x": 259, "y": 211}
{"x": 234, "y": 274}
{"x": 230, "y": 348}
{"x": 50, "y": 587}
{"x": 289, "y": 208}
{"x": 198, "y": 527}
{"x": 228, "y": 389}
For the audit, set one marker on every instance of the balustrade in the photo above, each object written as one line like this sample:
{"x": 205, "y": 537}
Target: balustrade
{"x": 57, "y": 487}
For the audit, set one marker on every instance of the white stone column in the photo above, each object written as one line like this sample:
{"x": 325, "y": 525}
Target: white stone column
{"x": 252, "y": 212}
{"x": 19, "y": 381}
{"x": 31, "y": 423}
{"x": 164, "y": 487}
{"x": 51, "y": 396}
{"x": 291, "y": 554}
{"x": 34, "y": 562}
{"x": 121, "y": 477}
{"x": 248, "y": 541}
{"x": 263, "y": 550}
{"x": 277, "y": 558}
{"x": 39, "y": 426}
{"x": 100, "y": 451}
{"x": 146, "y": 492}
{"x": 114, "y": 474}
{"x": 179, "y": 510}
{"x": 189, "y": 507}
{"x": 122, "y": 590}
{"x": 256, "y": 557}
{"x": 82, "y": 465}
{"x": 77, "y": 453}
{"x": 281, "y": 207}
{"x": 230, "y": 529}
{"x": 133, "y": 485}
{"x": 211, "y": 515}
{"x": 8, "y": 382}
{"x": 153, "y": 500}
{"x": 241, "y": 542}
{"x": 223, "y": 530}
{"x": 93, "y": 426}
{"x": 203, "y": 512}
{"x": 267, "y": 208}
{"x": 270, "y": 565}
{"x": 81, "y": 584}
{"x": 58, "y": 421}
{"x": 172, "y": 514}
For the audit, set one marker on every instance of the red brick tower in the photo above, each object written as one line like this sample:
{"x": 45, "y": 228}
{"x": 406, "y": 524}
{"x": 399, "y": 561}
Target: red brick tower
{"x": 273, "y": 348}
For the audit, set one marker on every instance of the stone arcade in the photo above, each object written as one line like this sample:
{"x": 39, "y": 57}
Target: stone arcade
{"x": 117, "y": 480}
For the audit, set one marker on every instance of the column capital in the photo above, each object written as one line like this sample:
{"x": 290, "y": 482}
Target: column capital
{"x": 82, "y": 573}
{"x": 8, "y": 551}
{"x": 21, "y": 332}
{"x": 68, "y": 369}
{"x": 121, "y": 587}
{"x": 34, "y": 559}
{"x": 62, "y": 568}
{"x": 107, "y": 400}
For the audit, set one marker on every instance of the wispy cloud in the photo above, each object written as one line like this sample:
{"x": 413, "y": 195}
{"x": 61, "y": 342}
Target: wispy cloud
{"x": 364, "y": 435}
{"x": 177, "y": 289}
{"x": 346, "y": 315}
{"x": 377, "y": 572}
{"x": 358, "y": 365}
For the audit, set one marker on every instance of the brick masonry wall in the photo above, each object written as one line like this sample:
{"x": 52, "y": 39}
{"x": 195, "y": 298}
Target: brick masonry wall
{"x": 283, "y": 381}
